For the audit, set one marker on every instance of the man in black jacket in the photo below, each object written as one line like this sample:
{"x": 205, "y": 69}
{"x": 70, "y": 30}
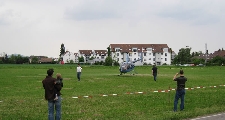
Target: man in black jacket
{"x": 49, "y": 86}
{"x": 180, "y": 92}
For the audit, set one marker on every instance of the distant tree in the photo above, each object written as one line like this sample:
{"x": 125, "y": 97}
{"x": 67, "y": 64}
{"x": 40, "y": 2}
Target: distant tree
{"x": 12, "y": 59}
{"x": 19, "y": 59}
{"x": 62, "y": 50}
{"x": 92, "y": 58}
{"x": 5, "y": 59}
{"x": 217, "y": 60}
{"x": 34, "y": 60}
{"x": 197, "y": 61}
{"x": 183, "y": 56}
{"x": 81, "y": 59}
{"x": 196, "y": 53}
{"x": 71, "y": 61}
{"x": 116, "y": 63}
{"x": 25, "y": 60}
{"x": 108, "y": 51}
{"x": 108, "y": 61}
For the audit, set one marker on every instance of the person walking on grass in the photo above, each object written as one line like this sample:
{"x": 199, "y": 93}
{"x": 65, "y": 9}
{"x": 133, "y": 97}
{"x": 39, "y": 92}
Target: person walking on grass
{"x": 49, "y": 86}
{"x": 180, "y": 91}
{"x": 154, "y": 72}
{"x": 79, "y": 68}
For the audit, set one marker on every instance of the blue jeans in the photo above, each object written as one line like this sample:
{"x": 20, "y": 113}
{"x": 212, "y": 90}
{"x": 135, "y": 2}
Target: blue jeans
{"x": 57, "y": 105}
{"x": 155, "y": 76}
{"x": 78, "y": 75}
{"x": 179, "y": 94}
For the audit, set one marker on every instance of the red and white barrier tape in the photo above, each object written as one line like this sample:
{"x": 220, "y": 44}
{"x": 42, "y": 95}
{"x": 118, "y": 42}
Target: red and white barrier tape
{"x": 156, "y": 91}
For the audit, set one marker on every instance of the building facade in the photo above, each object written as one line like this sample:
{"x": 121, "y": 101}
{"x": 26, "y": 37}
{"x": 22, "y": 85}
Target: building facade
{"x": 158, "y": 54}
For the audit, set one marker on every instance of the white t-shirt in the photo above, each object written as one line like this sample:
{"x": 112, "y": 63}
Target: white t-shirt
{"x": 79, "y": 69}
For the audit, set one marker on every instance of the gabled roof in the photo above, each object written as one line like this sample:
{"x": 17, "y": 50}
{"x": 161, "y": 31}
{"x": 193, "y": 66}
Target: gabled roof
{"x": 220, "y": 53}
{"x": 140, "y": 47}
{"x": 101, "y": 52}
{"x": 86, "y": 52}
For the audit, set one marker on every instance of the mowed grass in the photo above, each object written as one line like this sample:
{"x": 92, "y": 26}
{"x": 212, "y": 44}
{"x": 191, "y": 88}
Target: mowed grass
{"x": 22, "y": 94}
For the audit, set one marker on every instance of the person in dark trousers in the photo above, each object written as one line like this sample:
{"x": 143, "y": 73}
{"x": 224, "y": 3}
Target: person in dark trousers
{"x": 79, "y": 68}
{"x": 49, "y": 86}
{"x": 154, "y": 72}
{"x": 180, "y": 91}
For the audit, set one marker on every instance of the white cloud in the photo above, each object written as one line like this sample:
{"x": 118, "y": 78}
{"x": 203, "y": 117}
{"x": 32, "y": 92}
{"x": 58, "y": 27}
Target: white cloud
{"x": 39, "y": 27}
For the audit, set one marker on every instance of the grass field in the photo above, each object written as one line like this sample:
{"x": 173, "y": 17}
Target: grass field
{"x": 22, "y": 94}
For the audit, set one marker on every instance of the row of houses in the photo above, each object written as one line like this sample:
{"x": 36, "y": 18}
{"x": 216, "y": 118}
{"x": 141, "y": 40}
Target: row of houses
{"x": 210, "y": 56}
{"x": 149, "y": 53}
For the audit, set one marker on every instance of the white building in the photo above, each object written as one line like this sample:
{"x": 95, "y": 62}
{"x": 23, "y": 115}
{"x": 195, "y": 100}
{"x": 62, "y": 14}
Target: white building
{"x": 158, "y": 54}
{"x": 100, "y": 55}
{"x": 86, "y": 54}
{"x": 70, "y": 57}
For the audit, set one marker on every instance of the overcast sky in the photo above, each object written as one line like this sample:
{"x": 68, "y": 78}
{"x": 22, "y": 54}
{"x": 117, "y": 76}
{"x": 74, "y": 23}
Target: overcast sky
{"x": 39, "y": 27}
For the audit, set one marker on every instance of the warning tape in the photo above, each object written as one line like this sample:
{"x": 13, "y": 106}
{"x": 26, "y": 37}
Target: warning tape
{"x": 155, "y": 91}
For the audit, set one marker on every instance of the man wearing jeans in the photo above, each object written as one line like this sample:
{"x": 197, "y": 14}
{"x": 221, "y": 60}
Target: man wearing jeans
{"x": 49, "y": 86}
{"x": 154, "y": 72}
{"x": 180, "y": 92}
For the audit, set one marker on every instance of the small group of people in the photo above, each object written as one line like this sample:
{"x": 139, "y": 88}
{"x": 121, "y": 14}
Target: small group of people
{"x": 180, "y": 90}
{"x": 52, "y": 88}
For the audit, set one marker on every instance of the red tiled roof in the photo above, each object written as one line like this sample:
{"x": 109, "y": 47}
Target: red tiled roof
{"x": 220, "y": 53}
{"x": 101, "y": 52}
{"x": 140, "y": 47}
{"x": 86, "y": 52}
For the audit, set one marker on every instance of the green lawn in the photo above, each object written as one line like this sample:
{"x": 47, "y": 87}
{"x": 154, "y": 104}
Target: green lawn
{"x": 22, "y": 94}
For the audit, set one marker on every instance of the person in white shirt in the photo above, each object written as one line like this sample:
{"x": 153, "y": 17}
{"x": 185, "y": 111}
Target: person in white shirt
{"x": 78, "y": 72}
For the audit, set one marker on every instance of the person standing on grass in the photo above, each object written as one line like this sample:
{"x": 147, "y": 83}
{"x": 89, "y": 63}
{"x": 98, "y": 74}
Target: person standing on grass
{"x": 79, "y": 68}
{"x": 49, "y": 86}
{"x": 154, "y": 72}
{"x": 180, "y": 91}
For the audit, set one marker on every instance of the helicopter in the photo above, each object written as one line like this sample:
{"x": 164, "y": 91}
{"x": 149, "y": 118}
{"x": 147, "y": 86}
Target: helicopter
{"x": 128, "y": 66}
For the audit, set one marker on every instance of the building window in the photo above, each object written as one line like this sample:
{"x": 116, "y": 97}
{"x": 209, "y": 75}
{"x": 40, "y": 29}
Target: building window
{"x": 144, "y": 59}
{"x": 161, "y": 53}
{"x": 149, "y": 58}
{"x": 118, "y": 59}
{"x": 153, "y": 59}
{"x": 153, "y": 54}
{"x": 144, "y": 54}
{"x": 134, "y": 50}
{"x": 165, "y": 54}
{"x": 165, "y": 59}
{"x": 149, "y": 49}
{"x": 117, "y": 54}
{"x": 117, "y": 50}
